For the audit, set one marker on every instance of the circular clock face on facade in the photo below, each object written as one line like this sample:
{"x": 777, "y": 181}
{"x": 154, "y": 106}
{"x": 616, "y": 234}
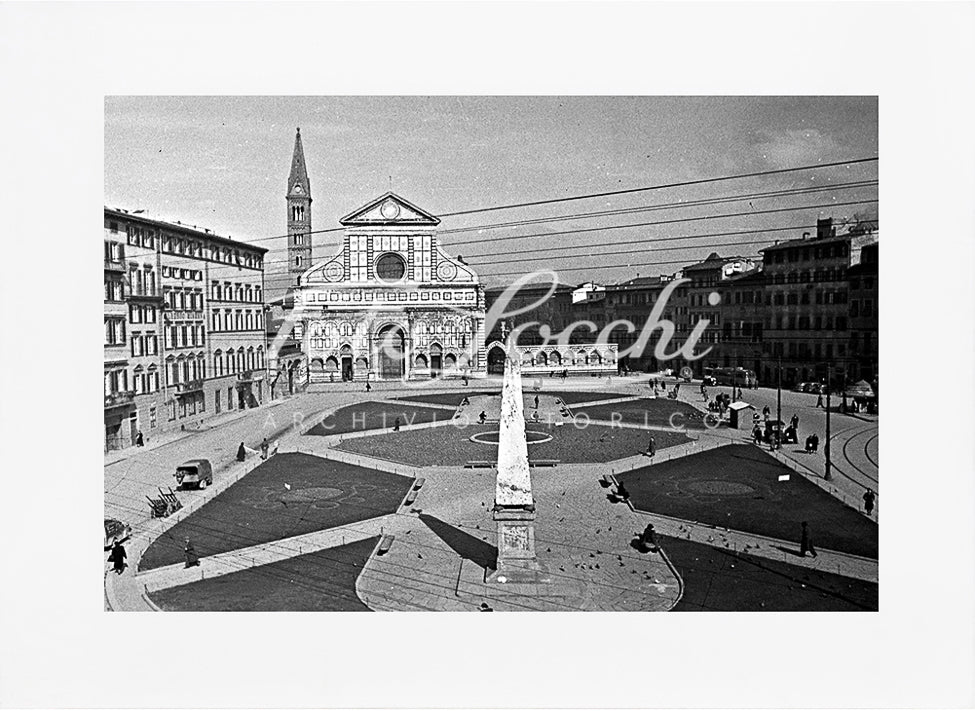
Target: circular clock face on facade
{"x": 389, "y": 210}
{"x": 298, "y": 189}
{"x": 446, "y": 271}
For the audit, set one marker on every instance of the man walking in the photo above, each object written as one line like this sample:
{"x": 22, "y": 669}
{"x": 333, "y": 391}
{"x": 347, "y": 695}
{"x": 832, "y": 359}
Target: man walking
{"x": 652, "y": 447}
{"x": 264, "y": 447}
{"x": 804, "y": 543}
{"x": 795, "y": 423}
{"x": 117, "y": 558}
{"x": 649, "y": 538}
{"x": 192, "y": 559}
{"x": 868, "y": 499}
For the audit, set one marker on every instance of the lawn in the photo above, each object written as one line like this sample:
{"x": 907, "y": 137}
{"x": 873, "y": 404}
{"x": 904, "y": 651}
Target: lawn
{"x": 737, "y": 487}
{"x": 376, "y": 416}
{"x": 260, "y": 508}
{"x": 659, "y": 412}
{"x": 451, "y": 445}
{"x": 716, "y": 579}
{"x": 315, "y": 582}
{"x": 453, "y": 398}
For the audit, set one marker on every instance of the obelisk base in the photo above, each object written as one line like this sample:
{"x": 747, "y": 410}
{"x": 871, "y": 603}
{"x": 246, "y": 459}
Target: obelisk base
{"x": 517, "y": 563}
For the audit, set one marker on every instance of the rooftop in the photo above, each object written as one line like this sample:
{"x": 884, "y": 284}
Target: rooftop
{"x": 203, "y": 233}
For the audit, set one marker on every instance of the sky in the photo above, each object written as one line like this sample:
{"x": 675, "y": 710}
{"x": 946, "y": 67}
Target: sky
{"x": 223, "y": 163}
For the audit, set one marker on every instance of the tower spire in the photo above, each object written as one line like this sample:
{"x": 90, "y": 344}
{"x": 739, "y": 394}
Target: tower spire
{"x": 299, "y": 174}
{"x": 298, "y": 197}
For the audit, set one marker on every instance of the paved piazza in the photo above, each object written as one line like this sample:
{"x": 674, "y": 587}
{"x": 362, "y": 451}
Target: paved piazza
{"x": 383, "y": 503}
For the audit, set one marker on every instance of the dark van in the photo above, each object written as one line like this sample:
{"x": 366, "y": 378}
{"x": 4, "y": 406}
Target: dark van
{"x": 195, "y": 471}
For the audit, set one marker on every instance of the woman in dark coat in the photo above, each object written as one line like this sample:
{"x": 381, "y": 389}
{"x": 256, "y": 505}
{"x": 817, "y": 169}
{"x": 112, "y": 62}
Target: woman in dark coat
{"x": 241, "y": 453}
{"x": 117, "y": 557}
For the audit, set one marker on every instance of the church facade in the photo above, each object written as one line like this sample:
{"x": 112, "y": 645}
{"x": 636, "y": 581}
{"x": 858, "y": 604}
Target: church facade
{"x": 391, "y": 304}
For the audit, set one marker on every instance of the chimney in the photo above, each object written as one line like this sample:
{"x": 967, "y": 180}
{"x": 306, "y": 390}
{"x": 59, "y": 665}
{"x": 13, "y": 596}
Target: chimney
{"x": 825, "y": 229}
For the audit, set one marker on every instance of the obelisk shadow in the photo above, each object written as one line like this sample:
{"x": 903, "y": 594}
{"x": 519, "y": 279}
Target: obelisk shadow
{"x": 465, "y": 545}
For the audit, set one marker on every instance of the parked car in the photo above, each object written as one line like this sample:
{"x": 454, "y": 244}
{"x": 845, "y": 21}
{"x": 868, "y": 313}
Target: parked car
{"x": 115, "y": 531}
{"x": 195, "y": 471}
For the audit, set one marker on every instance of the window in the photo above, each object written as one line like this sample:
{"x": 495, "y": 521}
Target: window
{"x": 152, "y": 417}
{"x": 390, "y": 267}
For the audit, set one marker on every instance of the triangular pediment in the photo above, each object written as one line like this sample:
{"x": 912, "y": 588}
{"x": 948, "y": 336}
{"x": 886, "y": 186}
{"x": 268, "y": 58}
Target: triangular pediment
{"x": 389, "y": 209}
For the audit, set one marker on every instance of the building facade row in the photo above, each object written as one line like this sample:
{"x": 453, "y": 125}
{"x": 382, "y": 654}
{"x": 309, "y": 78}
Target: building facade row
{"x": 184, "y": 326}
{"x": 807, "y": 309}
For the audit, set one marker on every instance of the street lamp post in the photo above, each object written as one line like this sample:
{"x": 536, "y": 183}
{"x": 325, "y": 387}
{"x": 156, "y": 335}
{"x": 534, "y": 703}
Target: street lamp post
{"x": 778, "y": 404}
{"x": 827, "y": 475}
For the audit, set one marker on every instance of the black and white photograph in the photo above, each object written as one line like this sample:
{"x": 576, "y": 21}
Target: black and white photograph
{"x": 568, "y": 312}
{"x": 627, "y": 361}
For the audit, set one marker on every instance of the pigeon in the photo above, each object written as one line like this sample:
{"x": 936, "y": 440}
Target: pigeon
{"x": 418, "y": 555}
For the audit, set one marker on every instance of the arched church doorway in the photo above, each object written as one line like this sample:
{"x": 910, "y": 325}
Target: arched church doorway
{"x": 391, "y": 343}
{"x": 346, "y": 354}
{"x": 436, "y": 360}
{"x": 495, "y": 361}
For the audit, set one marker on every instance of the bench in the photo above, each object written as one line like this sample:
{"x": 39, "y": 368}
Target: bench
{"x": 479, "y": 464}
{"x": 544, "y": 462}
{"x": 410, "y": 498}
{"x": 418, "y": 484}
{"x": 385, "y": 543}
{"x": 608, "y": 480}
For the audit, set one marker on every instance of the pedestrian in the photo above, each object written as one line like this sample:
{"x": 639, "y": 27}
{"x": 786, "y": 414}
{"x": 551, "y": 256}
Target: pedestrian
{"x": 192, "y": 558}
{"x": 651, "y": 447}
{"x": 757, "y": 434}
{"x": 819, "y": 397}
{"x": 264, "y": 447}
{"x": 465, "y": 381}
{"x": 704, "y": 393}
{"x": 368, "y": 386}
{"x": 804, "y": 543}
{"x": 396, "y": 425}
{"x": 241, "y": 453}
{"x": 868, "y": 498}
{"x": 536, "y": 402}
{"x": 766, "y": 412}
{"x": 117, "y": 557}
{"x": 676, "y": 388}
{"x": 621, "y": 492}
{"x": 482, "y": 418}
{"x": 815, "y": 442}
{"x": 795, "y": 422}
{"x": 138, "y": 439}
{"x": 649, "y": 538}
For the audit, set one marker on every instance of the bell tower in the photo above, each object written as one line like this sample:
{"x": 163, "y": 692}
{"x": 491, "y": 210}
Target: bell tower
{"x": 299, "y": 214}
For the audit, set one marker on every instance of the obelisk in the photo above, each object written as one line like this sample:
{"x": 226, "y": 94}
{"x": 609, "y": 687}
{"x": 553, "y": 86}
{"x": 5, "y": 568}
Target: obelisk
{"x": 514, "y": 506}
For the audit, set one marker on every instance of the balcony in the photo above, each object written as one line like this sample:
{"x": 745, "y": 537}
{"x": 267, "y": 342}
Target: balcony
{"x": 145, "y": 294}
{"x": 112, "y": 265}
{"x": 122, "y": 398}
{"x": 190, "y": 386}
